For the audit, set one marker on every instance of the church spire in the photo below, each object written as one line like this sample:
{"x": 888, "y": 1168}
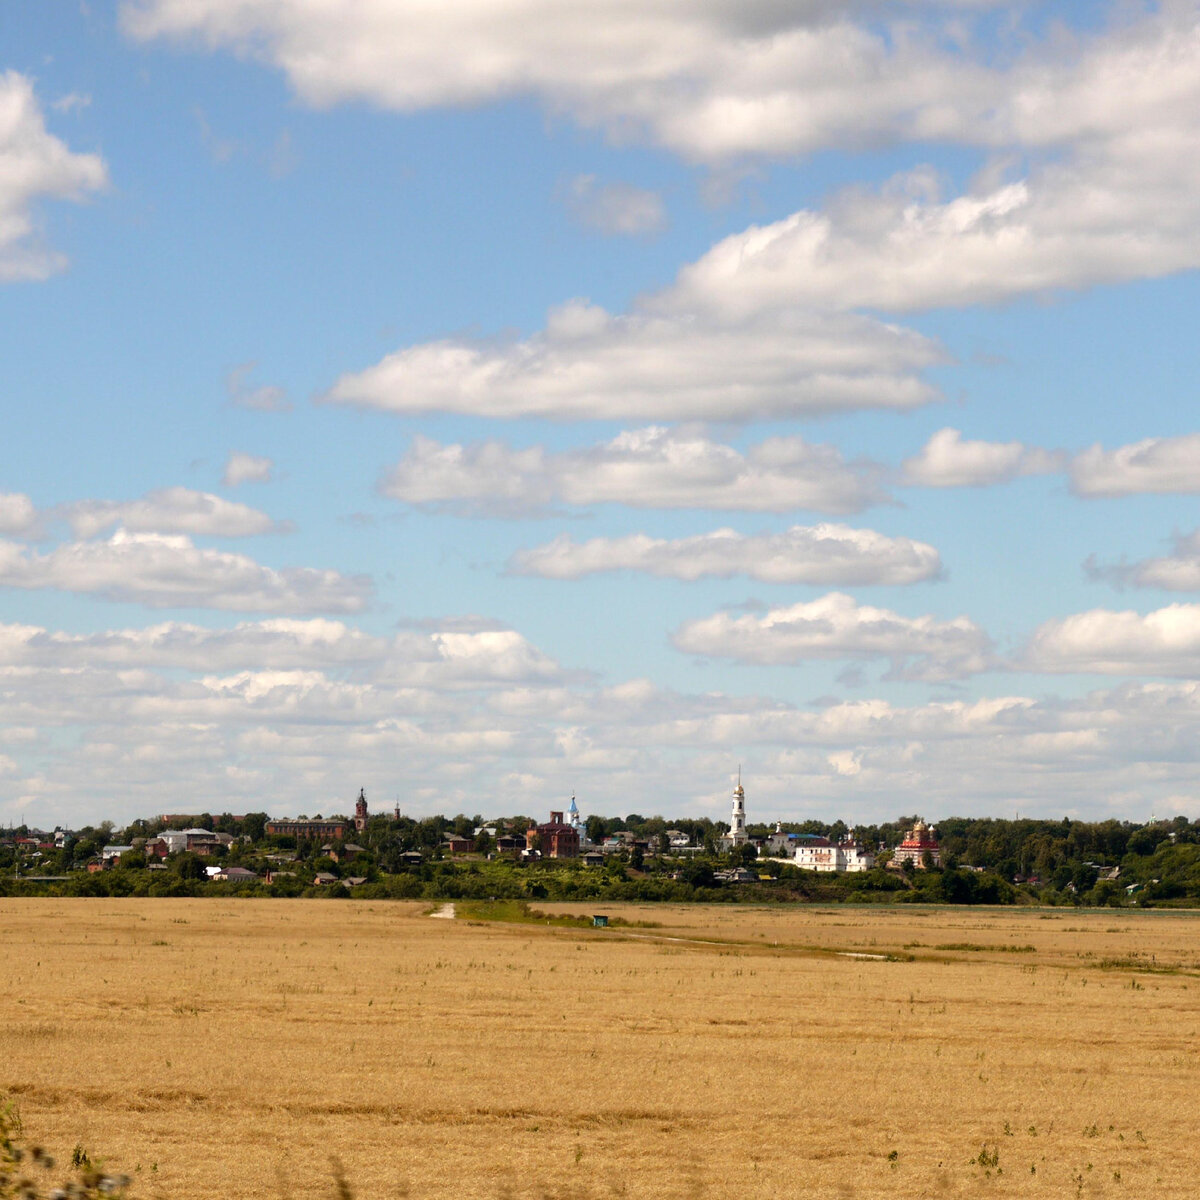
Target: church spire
{"x": 737, "y": 816}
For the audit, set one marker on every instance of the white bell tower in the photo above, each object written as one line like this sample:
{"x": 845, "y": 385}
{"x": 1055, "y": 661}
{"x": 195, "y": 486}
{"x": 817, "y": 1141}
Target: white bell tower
{"x": 737, "y": 816}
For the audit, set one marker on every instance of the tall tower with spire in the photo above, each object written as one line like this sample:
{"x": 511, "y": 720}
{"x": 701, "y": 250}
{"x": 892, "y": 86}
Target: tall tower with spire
{"x": 575, "y": 820}
{"x": 737, "y": 816}
{"x": 360, "y": 811}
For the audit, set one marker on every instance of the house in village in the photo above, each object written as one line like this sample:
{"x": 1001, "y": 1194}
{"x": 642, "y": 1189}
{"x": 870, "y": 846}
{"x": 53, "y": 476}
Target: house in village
{"x": 623, "y": 839}
{"x": 203, "y": 842}
{"x": 338, "y": 851}
{"x": 736, "y": 875}
{"x": 234, "y": 875}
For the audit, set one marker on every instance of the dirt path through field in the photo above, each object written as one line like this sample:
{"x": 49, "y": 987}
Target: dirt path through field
{"x": 445, "y": 913}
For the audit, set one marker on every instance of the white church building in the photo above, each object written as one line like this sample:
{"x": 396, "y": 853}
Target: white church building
{"x": 805, "y": 850}
{"x": 737, "y": 835}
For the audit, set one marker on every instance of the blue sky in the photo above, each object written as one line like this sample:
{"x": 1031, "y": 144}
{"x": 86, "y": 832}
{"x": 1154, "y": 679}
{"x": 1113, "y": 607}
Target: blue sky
{"x": 488, "y": 405}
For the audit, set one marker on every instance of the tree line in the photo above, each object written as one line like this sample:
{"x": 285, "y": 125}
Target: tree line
{"x": 984, "y": 859}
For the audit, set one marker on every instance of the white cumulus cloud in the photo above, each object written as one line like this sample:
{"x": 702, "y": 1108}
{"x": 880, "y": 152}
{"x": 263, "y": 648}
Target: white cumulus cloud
{"x": 836, "y": 626}
{"x": 246, "y": 468}
{"x": 437, "y": 659}
{"x": 169, "y": 510}
{"x": 467, "y": 658}
{"x": 34, "y": 165}
{"x": 906, "y": 248}
{"x": 820, "y": 554}
{"x": 17, "y": 512}
{"x": 278, "y": 644}
{"x": 653, "y": 467}
{"x": 946, "y": 460}
{"x": 164, "y": 571}
{"x": 1156, "y": 464}
{"x": 1163, "y": 642}
{"x": 1176, "y": 572}
{"x": 588, "y": 364}
{"x": 710, "y": 80}
{"x": 720, "y": 80}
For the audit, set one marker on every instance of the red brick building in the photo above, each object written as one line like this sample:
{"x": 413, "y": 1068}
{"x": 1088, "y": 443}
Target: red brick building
{"x": 303, "y": 828}
{"x": 555, "y": 838}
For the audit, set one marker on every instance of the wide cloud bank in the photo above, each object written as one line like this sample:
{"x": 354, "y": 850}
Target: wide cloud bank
{"x": 470, "y": 716}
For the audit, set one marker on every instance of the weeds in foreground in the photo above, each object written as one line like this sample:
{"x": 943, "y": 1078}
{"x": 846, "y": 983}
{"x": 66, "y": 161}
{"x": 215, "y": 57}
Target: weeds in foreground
{"x": 27, "y": 1171}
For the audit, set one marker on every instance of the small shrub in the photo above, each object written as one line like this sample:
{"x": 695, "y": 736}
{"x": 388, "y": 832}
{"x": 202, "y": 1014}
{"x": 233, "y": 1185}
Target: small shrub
{"x": 988, "y": 1157}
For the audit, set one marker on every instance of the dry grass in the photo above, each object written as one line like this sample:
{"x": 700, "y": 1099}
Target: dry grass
{"x": 239, "y": 1047}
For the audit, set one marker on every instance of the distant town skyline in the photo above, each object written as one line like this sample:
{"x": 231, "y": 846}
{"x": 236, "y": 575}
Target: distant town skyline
{"x": 493, "y": 403}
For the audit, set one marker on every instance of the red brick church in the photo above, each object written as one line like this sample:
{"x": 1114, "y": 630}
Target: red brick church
{"x": 555, "y": 839}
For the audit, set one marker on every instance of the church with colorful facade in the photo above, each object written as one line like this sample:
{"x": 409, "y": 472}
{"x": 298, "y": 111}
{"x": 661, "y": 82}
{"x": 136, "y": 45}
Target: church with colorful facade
{"x": 920, "y": 841}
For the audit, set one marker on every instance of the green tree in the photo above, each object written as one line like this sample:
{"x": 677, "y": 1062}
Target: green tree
{"x": 254, "y": 826}
{"x": 744, "y": 855}
{"x": 189, "y": 866}
{"x": 1106, "y": 892}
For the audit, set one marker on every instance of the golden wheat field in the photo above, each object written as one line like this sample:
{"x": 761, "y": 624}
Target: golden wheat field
{"x": 234, "y": 1049}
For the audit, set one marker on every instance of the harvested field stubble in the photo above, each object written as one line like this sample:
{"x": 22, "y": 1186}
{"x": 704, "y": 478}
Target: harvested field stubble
{"x": 236, "y": 1049}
